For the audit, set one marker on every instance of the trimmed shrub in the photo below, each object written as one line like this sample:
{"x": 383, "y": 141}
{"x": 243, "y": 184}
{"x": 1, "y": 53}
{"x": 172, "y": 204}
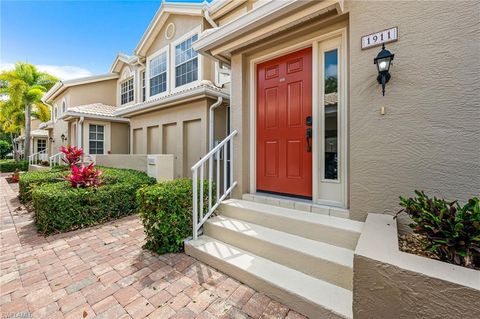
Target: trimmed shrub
{"x": 30, "y": 180}
{"x": 166, "y": 213}
{"x": 11, "y": 165}
{"x": 60, "y": 207}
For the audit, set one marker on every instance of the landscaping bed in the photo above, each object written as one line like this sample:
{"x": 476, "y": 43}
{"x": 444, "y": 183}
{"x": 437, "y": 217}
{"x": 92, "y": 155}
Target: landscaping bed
{"x": 59, "y": 207}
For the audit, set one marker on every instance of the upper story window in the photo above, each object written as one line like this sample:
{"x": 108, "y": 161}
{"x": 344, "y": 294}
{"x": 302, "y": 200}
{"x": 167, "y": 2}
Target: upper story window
{"x": 186, "y": 62}
{"x": 158, "y": 74}
{"x": 64, "y": 106}
{"x": 144, "y": 90}
{"x": 126, "y": 89}
{"x": 55, "y": 113}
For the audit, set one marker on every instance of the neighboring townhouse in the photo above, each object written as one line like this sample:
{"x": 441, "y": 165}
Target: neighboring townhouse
{"x": 161, "y": 100}
{"x": 82, "y": 115}
{"x": 315, "y": 138}
{"x": 166, "y": 89}
{"x": 38, "y": 140}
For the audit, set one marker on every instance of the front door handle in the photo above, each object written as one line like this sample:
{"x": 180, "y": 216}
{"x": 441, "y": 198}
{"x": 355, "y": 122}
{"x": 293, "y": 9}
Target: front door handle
{"x": 309, "y": 139}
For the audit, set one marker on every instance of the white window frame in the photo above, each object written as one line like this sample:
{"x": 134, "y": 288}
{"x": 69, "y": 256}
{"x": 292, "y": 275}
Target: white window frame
{"x": 64, "y": 105}
{"x": 173, "y": 74}
{"x": 147, "y": 73}
{"x": 55, "y": 112}
{"x": 131, "y": 78}
{"x": 143, "y": 85}
{"x": 38, "y": 146}
{"x": 96, "y": 140}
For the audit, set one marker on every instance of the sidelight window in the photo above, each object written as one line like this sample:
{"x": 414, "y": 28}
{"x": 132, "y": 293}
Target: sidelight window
{"x": 331, "y": 115}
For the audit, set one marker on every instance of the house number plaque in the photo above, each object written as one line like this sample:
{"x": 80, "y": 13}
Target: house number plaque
{"x": 377, "y": 38}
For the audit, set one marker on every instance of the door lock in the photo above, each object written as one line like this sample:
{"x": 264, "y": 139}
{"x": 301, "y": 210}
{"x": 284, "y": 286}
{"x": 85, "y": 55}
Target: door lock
{"x": 309, "y": 139}
{"x": 308, "y": 121}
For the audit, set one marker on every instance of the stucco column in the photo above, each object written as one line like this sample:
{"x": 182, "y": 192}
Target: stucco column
{"x": 240, "y": 119}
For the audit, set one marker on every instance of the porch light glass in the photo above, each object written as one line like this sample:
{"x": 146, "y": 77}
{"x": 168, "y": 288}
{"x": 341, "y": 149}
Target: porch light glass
{"x": 383, "y": 61}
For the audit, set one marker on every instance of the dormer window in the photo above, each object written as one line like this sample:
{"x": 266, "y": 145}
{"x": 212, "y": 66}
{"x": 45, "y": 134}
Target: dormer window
{"x": 126, "y": 89}
{"x": 186, "y": 62}
{"x": 158, "y": 74}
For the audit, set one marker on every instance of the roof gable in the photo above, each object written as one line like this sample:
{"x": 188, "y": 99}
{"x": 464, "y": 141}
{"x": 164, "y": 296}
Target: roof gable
{"x": 165, "y": 10}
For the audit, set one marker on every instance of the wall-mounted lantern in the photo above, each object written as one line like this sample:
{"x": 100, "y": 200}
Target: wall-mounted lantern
{"x": 383, "y": 61}
{"x": 63, "y": 137}
{"x": 51, "y": 140}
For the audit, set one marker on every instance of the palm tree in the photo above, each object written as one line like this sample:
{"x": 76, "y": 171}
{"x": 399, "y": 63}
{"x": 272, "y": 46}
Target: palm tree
{"x": 24, "y": 87}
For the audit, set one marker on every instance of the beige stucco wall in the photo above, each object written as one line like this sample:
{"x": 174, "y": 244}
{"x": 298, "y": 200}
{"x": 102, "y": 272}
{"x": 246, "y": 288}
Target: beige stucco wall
{"x": 181, "y": 130}
{"x": 428, "y": 138}
{"x": 388, "y": 283}
{"x": 120, "y": 135}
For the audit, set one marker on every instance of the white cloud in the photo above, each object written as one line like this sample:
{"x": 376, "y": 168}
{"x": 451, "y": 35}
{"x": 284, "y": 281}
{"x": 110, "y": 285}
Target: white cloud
{"x": 63, "y": 72}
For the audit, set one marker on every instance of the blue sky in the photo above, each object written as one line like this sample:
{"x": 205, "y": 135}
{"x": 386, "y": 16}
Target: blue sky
{"x": 72, "y": 38}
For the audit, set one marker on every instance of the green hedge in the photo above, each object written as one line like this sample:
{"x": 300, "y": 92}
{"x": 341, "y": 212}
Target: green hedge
{"x": 11, "y": 166}
{"x": 166, "y": 213}
{"x": 30, "y": 180}
{"x": 59, "y": 207}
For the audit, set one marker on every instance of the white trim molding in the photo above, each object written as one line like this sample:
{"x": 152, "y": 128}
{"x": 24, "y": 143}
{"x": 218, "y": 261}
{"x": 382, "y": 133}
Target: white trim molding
{"x": 260, "y": 23}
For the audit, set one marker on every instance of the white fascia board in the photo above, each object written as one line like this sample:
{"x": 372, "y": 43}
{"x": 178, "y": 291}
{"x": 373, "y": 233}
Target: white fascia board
{"x": 218, "y": 8}
{"x": 192, "y": 9}
{"x": 170, "y": 100}
{"x": 121, "y": 57}
{"x": 59, "y": 86}
{"x": 67, "y": 115}
{"x": 251, "y": 20}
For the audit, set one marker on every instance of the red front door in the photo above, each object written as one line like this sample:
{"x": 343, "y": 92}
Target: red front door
{"x": 284, "y": 101}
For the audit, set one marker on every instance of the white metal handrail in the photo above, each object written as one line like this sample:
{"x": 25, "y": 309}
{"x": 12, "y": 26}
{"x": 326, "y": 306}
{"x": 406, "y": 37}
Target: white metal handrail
{"x": 222, "y": 191}
{"x": 56, "y": 159}
{"x": 36, "y": 157}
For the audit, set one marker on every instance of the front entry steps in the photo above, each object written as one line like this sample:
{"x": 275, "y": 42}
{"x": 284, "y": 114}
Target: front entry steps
{"x": 301, "y": 259}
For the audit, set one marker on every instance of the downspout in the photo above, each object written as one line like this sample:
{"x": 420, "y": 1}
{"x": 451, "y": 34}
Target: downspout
{"x": 80, "y": 132}
{"x": 211, "y": 130}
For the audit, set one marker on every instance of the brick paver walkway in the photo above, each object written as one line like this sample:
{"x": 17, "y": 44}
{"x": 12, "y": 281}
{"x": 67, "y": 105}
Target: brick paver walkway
{"x": 103, "y": 272}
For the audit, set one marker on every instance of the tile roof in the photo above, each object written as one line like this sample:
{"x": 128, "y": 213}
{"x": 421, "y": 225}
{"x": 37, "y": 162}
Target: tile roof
{"x": 98, "y": 109}
{"x": 204, "y": 84}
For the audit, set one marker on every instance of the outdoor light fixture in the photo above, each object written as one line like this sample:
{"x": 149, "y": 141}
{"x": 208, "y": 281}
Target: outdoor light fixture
{"x": 383, "y": 61}
{"x": 51, "y": 139}
{"x": 63, "y": 137}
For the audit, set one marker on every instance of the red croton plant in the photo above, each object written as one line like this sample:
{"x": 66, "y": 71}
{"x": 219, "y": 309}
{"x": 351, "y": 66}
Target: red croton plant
{"x": 73, "y": 155}
{"x": 80, "y": 176}
{"x": 85, "y": 176}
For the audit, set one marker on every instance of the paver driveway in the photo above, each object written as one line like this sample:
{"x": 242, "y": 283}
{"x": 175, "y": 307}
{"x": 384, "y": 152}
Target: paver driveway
{"x": 103, "y": 272}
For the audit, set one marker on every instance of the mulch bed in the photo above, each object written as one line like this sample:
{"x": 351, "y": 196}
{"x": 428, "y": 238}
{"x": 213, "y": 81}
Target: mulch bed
{"x": 10, "y": 181}
{"x": 414, "y": 244}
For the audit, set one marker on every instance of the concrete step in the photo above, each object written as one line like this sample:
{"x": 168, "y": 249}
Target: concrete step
{"x": 336, "y": 231}
{"x": 308, "y": 295}
{"x": 320, "y": 260}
